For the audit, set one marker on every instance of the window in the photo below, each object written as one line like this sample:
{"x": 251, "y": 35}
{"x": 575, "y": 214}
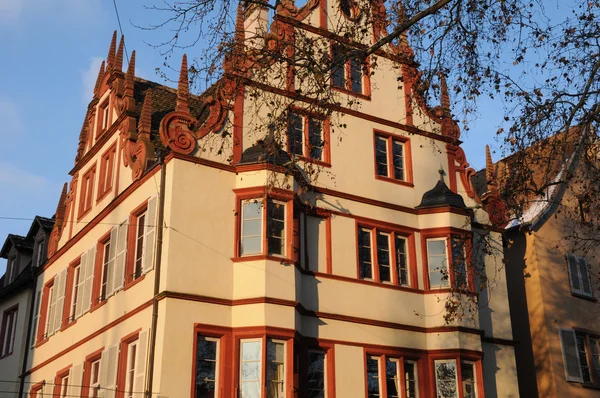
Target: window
{"x": 107, "y": 164}
{"x": 391, "y": 377}
{"x": 275, "y": 369}
{"x": 349, "y": 75}
{"x": 316, "y": 374}
{"x": 447, "y": 380}
{"x": 91, "y": 376}
{"x": 437, "y": 261}
{"x": 448, "y": 266}
{"x": 76, "y": 284}
{"x": 207, "y": 352}
{"x": 130, "y": 370}
{"x": 106, "y": 266}
{"x": 579, "y": 275}
{"x": 49, "y": 327}
{"x": 139, "y": 245}
{"x": 142, "y": 240}
{"x": 581, "y": 356}
{"x": 61, "y": 386}
{"x": 86, "y": 196}
{"x": 12, "y": 270}
{"x": 392, "y": 158}
{"x": 40, "y": 253}
{"x": 133, "y": 358}
{"x": 250, "y": 368}
{"x": 8, "y": 331}
{"x": 307, "y": 136}
{"x": 382, "y": 256}
{"x": 263, "y": 228}
{"x": 103, "y": 117}
{"x": 36, "y": 318}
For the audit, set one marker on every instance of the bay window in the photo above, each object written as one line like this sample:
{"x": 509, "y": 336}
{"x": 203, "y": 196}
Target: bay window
{"x": 264, "y": 226}
{"x": 447, "y": 262}
{"x": 391, "y": 377}
{"x": 383, "y": 256}
{"x": 250, "y": 368}
{"x": 263, "y": 358}
{"x": 316, "y": 374}
{"x": 452, "y": 382}
{"x": 207, "y": 352}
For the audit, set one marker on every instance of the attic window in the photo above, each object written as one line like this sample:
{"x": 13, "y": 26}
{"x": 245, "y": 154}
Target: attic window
{"x": 103, "y": 117}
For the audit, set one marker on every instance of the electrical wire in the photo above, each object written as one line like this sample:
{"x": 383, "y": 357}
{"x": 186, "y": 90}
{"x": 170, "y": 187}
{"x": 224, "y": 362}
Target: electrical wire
{"x": 120, "y": 28}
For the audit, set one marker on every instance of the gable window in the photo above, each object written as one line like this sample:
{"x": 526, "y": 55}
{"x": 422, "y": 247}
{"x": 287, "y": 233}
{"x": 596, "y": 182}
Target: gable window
{"x": 107, "y": 164}
{"x": 207, "y": 353}
{"x": 391, "y": 377}
{"x": 383, "y": 256}
{"x": 444, "y": 271}
{"x": 307, "y": 136}
{"x": 581, "y": 356}
{"x": 264, "y": 224}
{"x": 349, "y": 74}
{"x": 392, "y": 158}
{"x": 86, "y": 196}
{"x": 450, "y": 383}
{"x": 12, "y": 269}
{"x": 8, "y": 331}
{"x": 103, "y": 117}
{"x": 579, "y": 275}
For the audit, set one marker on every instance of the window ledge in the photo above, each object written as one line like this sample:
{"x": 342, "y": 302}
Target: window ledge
{"x": 352, "y": 93}
{"x": 102, "y": 195}
{"x": 98, "y": 305}
{"x": 590, "y": 386}
{"x": 6, "y": 355}
{"x": 68, "y": 325}
{"x": 83, "y": 213}
{"x": 134, "y": 282}
{"x": 313, "y": 161}
{"x": 394, "y": 181}
{"x": 263, "y": 257}
{"x": 583, "y": 296}
{"x": 41, "y": 342}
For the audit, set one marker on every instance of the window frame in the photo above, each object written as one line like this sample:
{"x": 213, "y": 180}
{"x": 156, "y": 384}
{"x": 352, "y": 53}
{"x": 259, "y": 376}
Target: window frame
{"x": 394, "y": 232}
{"x": 594, "y": 371}
{"x": 71, "y": 289}
{"x": 448, "y": 234}
{"x": 104, "y": 117}
{"x": 306, "y": 117}
{"x": 86, "y": 192}
{"x": 42, "y": 333}
{"x": 382, "y": 355}
{"x": 579, "y": 292}
{"x": 260, "y": 194}
{"x": 473, "y": 358}
{"x": 222, "y": 335}
{"x": 132, "y": 235}
{"x": 9, "y": 325}
{"x": 107, "y": 169}
{"x": 406, "y": 154}
{"x": 366, "y": 75}
{"x": 61, "y": 375}
{"x": 87, "y": 384}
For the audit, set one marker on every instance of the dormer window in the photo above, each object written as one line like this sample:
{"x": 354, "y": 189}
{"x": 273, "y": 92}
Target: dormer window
{"x": 39, "y": 259}
{"x": 12, "y": 269}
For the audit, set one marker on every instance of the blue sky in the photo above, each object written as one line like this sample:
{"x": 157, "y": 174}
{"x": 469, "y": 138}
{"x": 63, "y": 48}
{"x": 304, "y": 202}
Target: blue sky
{"x": 51, "y": 52}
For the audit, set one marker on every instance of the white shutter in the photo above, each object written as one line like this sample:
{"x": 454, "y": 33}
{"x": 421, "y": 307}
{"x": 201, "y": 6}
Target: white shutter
{"x": 86, "y": 296}
{"x": 60, "y": 286}
{"x": 121, "y": 244}
{"x": 80, "y": 284}
{"x": 573, "y": 273}
{"x": 112, "y": 254}
{"x": 570, "y": 354}
{"x": 584, "y": 274}
{"x": 140, "y": 364}
{"x": 75, "y": 381}
{"x": 109, "y": 362}
{"x": 51, "y": 314}
{"x": 48, "y": 388}
{"x": 36, "y": 318}
{"x": 150, "y": 235}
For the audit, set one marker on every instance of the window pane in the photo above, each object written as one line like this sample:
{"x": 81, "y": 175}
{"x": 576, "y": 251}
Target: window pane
{"x": 339, "y": 66}
{"x": 251, "y": 390}
{"x": 383, "y": 257}
{"x": 583, "y": 364}
{"x": 356, "y": 75}
{"x": 315, "y": 139}
{"x": 206, "y": 367}
{"x": 316, "y": 375}
{"x": 373, "y": 377}
{"x": 438, "y": 263}
{"x": 392, "y": 380}
{"x": 459, "y": 264}
{"x": 276, "y": 227}
{"x": 275, "y": 369}
{"x": 251, "y": 227}
{"x": 401, "y": 264}
{"x": 250, "y": 372}
{"x": 381, "y": 157}
{"x": 398, "y": 152}
{"x": 410, "y": 379}
{"x": 251, "y": 350}
{"x": 445, "y": 376}
{"x": 364, "y": 253}
{"x": 468, "y": 379}
{"x": 595, "y": 356}
{"x": 295, "y": 133}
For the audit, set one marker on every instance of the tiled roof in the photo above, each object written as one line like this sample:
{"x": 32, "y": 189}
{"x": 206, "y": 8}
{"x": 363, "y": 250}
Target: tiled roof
{"x": 40, "y": 222}
{"x": 18, "y": 241}
{"x": 266, "y": 150}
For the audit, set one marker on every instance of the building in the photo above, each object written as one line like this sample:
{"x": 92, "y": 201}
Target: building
{"x": 191, "y": 256}
{"x": 24, "y": 255}
{"x": 552, "y": 278}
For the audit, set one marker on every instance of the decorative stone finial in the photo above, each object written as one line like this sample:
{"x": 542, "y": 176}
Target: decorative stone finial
{"x": 110, "y": 59}
{"x": 489, "y": 166}
{"x": 99, "y": 79}
{"x": 119, "y": 56}
{"x": 183, "y": 89}
{"x": 145, "y": 122}
{"x": 444, "y": 96}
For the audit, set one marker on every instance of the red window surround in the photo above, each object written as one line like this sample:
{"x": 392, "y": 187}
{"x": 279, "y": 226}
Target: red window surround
{"x": 70, "y": 294}
{"x": 36, "y": 390}
{"x": 402, "y": 354}
{"x": 408, "y": 172}
{"x": 447, "y": 233}
{"x": 99, "y": 265}
{"x": 122, "y": 367}
{"x": 261, "y": 194}
{"x": 392, "y": 230}
{"x": 8, "y": 331}
{"x": 87, "y": 191}
{"x": 104, "y": 118}
{"x": 366, "y": 76}
{"x": 462, "y": 355}
{"x": 107, "y": 165}
{"x": 44, "y": 312}
{"x": 307, "y": 117}
{"x": 224, "y": 355}
{"x": 89, "y": 373}
{"x": 307, "y": 345}
{"x": 61, "y": 383}
{"x": 132, "y": 268}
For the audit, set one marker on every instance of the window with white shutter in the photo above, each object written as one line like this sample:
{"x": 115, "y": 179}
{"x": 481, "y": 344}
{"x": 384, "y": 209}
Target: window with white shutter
{"x": 108, "y": 275}
{"x": 49, "y": 327}
{"x": 75, "y": 383}
{"x": 36, "y": 318}
{"x": 121, "y": 256}
{"x": 140, "y": 364}
{"x": 60, "y": 286}
{"x": 570, "y": 354}
{"x": 109, "y": 362}
{"x": 579, "y": 275}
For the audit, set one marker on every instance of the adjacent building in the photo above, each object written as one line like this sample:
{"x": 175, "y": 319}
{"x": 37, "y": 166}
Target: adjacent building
{"x": 193, "y": 254}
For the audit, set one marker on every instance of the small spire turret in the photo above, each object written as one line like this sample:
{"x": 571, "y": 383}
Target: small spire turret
{"x": 183, "y": 89}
